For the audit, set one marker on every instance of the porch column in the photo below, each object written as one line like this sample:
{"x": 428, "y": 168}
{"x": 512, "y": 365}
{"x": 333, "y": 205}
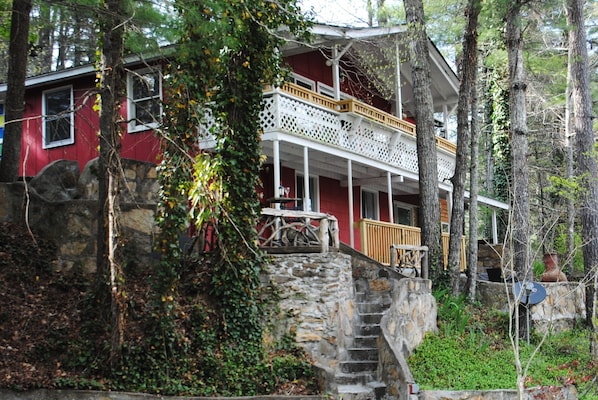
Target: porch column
{"x": 336, "y": 85}
{"x": 276, "y": 157}
{"x": 336, "y": 72}
{"x": 445, "y": 114}
{"x": 350, "y": 188}
{"x": 449, "y": 205}
{"x": 494, "y": 227}
{"x": 307, "y": 206}
{"x": 390, "y": 205}
{"x": 398, "y": 94}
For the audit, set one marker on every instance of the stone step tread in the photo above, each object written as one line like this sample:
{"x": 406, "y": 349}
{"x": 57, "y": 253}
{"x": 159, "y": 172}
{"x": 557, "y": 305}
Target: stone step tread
{"x": 357, "y": 388}
{"x": 352, "y": 366}
{"x": 354, "y": 378}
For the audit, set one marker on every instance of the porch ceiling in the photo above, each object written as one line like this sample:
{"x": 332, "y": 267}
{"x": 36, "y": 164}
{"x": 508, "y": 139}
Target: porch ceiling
{"x": 335, "y": 167}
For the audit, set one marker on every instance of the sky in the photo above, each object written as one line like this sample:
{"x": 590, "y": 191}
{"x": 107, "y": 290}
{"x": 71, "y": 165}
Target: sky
{"x": 338, "y": 12}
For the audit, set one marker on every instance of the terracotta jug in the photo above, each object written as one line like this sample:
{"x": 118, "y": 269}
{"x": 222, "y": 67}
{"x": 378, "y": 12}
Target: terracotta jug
{"x": 552, "y": 273}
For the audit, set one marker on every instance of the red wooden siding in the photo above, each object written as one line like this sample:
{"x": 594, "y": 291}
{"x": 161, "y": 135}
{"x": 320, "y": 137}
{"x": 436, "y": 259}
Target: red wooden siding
{"x": 142, "y": 146}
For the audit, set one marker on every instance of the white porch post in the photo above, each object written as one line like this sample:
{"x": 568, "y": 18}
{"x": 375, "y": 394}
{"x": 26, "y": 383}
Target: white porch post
{"x": 398, "y": 94}
{"x": 445, "y": 114}
{"x": 449, "y": 205}
{"x": 494, "y": 227}
{"x": 307, "y": 206}
{"x": 350, "y": 188}
{"x": 336, "y": 75}
{"x": 336, "y": 72}
{"x": 390, "y": 205}
{"x": 276, "y": 157}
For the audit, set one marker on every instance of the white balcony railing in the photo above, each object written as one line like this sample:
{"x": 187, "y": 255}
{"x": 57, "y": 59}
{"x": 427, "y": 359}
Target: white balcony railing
{"x": 349, "y": 125}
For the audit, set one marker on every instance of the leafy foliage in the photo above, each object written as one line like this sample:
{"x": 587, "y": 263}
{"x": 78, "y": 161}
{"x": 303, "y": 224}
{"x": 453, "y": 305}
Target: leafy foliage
{"x": 476, "y": 354}
{"x": 227, "y": 52}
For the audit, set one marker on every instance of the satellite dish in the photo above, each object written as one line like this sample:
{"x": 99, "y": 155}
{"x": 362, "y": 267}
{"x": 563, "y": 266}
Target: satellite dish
{"x": 531, "y": 292}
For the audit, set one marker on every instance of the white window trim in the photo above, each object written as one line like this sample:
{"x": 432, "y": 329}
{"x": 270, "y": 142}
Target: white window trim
{"x": 412, "y": 208}
{"x": 133, "y": 126}
{"x": 315, "y": 206}
{"x": 328, "y": 91}
{"x": 376, "y": 203}
{"x": 298, "y": 78}
{"x": 71, "y": 138}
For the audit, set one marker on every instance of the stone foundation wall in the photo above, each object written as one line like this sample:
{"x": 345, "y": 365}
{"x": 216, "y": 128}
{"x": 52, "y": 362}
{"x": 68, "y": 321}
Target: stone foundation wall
{"x": 61, "y": 204}
{"x": 562, "y": 308}
{"x": 316, "y": 302}
{"x": 546, "y": 393}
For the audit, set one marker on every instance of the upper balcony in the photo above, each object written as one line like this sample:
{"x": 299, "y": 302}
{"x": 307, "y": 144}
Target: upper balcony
{"x": 349, "y": 125}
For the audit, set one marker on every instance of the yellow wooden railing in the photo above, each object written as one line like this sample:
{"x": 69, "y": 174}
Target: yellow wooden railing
{"x": 378, "y": 236}
{"x": 359, "y": 108}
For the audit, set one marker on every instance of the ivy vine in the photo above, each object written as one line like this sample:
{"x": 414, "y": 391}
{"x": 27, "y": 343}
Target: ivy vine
{"x": 228, "y": 51}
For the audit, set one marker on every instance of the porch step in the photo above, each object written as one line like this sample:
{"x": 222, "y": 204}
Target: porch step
{"x": 359, "y": 366}
{"x": 366, "y": 341}
{"x": 370, "y": 329}
{"x": 371, "y": 318}
{"x": 356, "y": 377}
{"x": 363, "y": 353}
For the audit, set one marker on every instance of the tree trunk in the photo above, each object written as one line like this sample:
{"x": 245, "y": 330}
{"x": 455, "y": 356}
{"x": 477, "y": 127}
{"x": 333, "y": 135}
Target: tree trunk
{"x": 519, "y": 145}
{"x": 15, "y": 90}
{"x": 111, "y": 91}
{"x": 569, "y": 167}
{"x": 468, "y": 65}
{"x": 426, "y": 141}
{"x": 472, "y": 253}
{"x": 587, "y": 167}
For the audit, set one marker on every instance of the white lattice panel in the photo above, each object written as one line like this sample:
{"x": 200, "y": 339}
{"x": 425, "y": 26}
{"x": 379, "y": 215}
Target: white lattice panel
{"x": 268, "y": 114}
{"x": 353, "y": 133}
{"x": 300, "y": 118}
{"x": 446, "y": 167}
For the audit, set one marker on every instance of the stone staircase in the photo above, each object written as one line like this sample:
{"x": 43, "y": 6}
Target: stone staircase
{"x": 356, "y": 377}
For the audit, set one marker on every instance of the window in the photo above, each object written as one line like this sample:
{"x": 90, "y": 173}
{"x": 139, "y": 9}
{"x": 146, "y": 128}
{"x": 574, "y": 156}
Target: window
{"x": 303, "y": 81}
{"x": 144, "y": 89}
{"x": 369, "y": 205}
{"x": 328, "y": 91}
{"x": 58, "y": 117}
{"x": 405, "y": 214}
{"x": 313, "y": 204}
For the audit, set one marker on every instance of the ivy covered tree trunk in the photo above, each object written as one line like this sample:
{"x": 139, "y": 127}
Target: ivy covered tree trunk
{"x": 15, "y": 91}
{"x": 228, "y": 51}
{"x": 111, "y": 88}
{"x": 467, "y": 74}
{"x": 426, "y": 140}
{"x": 587, "y": 167}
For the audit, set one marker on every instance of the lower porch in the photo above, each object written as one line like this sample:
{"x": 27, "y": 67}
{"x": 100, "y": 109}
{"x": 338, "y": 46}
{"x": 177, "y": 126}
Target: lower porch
{"x": 293, "y": 231}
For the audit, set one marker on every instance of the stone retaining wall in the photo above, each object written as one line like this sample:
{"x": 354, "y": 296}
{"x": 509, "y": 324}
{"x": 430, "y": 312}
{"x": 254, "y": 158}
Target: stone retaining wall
{"x": 60, "y": 204}
{"x": 411, "y": 315}
{"x": 316, "y": 301}
{"x": 562, "y": 308}
{"x": 544, "y": 393}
